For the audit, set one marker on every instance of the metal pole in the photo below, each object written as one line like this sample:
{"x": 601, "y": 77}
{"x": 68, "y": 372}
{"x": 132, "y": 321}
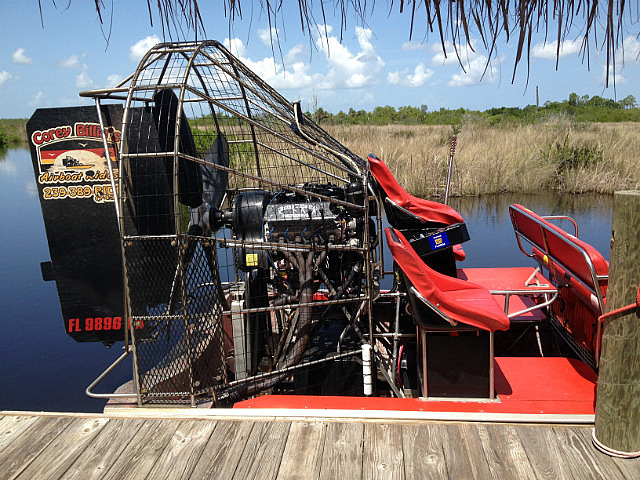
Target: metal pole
{"x": 452, "y": 152}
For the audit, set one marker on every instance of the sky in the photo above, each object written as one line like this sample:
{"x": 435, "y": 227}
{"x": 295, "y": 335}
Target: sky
{"x": 376, "y": 64}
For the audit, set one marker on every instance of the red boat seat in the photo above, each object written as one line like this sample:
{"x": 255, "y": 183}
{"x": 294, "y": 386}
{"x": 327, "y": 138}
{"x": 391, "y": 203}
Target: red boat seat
{"x": 455, "y": 300}
{"x": 571, "y": 261}
{"x": 458, "y": 253}
{"x": 405, "y": 210}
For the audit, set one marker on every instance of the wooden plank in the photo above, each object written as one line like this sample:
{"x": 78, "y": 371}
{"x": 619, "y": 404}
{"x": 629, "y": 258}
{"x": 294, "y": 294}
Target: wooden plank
{"x": 582, "y": 457}
{"x": 223, "y": 450}
{"x": 463, "y": 452}
{"x": 505, "y": 453}
{"x": 382, "y": 451}
{"x": 183, "y": 450}
{"x": 342, "y": 451}
{"x": 629, "y": 467}
{"x": 542, "y": 449}
{"x": 11, "y": 427}
{"x": 261, "y": 456}
{"x": 144, "y": 450}
{"x": 423, "y": 452}
{"x": 302, "y": 454}
{"x": 28, "y": 445}
{"x": 56, "y": 458}
{"x": 104, "y": 450}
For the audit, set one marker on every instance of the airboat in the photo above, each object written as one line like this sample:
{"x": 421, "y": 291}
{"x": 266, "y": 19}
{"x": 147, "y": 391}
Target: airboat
{"x": 238, "y": 251}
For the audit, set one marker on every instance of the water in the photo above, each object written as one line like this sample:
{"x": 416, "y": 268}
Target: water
{"x": 41, "y": 368}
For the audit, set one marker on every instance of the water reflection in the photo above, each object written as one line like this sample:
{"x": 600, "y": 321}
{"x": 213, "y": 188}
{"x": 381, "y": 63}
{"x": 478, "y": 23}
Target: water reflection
{"x": 493, "y": 242}
{"x": 41, "y": 368}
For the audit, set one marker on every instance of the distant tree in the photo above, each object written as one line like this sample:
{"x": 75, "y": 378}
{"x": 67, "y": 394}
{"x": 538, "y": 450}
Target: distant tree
{"x": 573, "y": 99}
{"x": 628, "y": 102}
{"x": 321, "y": 115}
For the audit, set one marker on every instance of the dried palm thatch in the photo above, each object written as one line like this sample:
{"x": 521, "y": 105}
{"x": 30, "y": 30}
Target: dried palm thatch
{"x": 601, "y": 24}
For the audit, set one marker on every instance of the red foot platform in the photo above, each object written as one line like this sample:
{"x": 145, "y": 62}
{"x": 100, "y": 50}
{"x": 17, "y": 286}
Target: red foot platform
{"x": 525, "y": 386}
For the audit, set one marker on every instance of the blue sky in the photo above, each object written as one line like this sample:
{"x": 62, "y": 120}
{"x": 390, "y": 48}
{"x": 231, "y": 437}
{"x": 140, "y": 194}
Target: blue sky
{"x": 375, "y": 64}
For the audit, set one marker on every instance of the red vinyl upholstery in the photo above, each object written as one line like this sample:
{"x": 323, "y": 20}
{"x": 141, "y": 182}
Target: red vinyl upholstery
{"x": 458, "y": 253}
{"x": 424, "y": 210}
{"x": 462, "y": 301}
{"x": 550, "y": 242}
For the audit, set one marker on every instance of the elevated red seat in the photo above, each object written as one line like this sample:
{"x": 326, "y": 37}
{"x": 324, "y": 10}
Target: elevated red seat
{"x": 578, "y": 269}
{"x": 570, "y": 261}
{"x": 453, "y": 299}
{"x": 404, "y": 210}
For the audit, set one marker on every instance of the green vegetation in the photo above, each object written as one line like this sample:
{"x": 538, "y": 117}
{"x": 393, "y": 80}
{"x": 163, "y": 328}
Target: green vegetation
{"x": 13, "y": 132}
{"x": 557, "y": 155}
{"x": 579, "y": 109}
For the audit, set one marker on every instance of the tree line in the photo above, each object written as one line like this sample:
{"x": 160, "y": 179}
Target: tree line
{"x": 577, "y": 108}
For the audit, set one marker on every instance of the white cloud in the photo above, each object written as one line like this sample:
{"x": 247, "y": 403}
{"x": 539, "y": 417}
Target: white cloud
{"x": 83, "y": 80}
{"x": 476, "y": 71}
{"x": 19, "y": 57}
{"x": 235, "y": 46}
{"x": 550, "y": 50}
{"x": 412, "y": 45}
{"x": 629, "y": 52}
{"x": 395, "y": 78}
{"x": 4, "y": 76}
{"x": 472, "y": 66}
{"x": 464, "y": 51}
{"x": 440, "y": 58}
{"x": 266, "y": 35}
{"x": 418, "y": 78}
{"x": 345, "y": 69}
{"x": 37, "y": 100}
{"x": 295, "y": 75}
{"x": 140, "y": 48}
{"x": 615, "y": 78}
{"x": 348, "y": 70}
{"x": 113, "y": 80}
{"x": 296, "y": 54}
{"x": 72, "y": 62}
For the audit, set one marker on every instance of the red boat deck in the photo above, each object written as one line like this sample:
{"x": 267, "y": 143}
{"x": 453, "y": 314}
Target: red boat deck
{"x": 525, "y": 386}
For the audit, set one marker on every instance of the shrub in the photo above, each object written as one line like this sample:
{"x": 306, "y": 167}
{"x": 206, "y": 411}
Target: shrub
{"x": 567, "y": 157}
{"x": 4, "y": 138}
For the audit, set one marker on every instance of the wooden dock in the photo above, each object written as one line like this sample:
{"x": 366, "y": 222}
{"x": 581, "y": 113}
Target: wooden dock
{"x": 85, "y": 446}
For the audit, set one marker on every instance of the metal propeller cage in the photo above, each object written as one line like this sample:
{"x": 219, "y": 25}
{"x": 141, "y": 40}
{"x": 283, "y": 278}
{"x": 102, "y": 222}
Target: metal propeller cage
{"x": 246, "y": 232}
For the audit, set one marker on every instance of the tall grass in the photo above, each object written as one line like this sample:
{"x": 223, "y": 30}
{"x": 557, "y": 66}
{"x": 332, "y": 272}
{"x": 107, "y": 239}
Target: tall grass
{"x": 558, "y": 155}
{"x": 13, "y": 131}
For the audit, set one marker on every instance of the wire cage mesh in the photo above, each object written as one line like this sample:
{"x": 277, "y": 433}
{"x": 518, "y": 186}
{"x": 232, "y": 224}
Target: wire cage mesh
{"x": 247, "y": 234}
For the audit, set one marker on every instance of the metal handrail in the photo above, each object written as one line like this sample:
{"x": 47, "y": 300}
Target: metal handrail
{"x": 563, "y": 217}
{"x": 104, "y": 374}
{"x": 595, "y": 290}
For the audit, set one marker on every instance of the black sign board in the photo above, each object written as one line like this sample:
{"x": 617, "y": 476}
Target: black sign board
{"x": 74, "y": 186}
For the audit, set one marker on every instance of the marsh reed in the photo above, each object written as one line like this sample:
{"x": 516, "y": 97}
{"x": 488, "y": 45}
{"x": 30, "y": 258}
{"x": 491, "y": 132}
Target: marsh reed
{"x": 558, "y": 155}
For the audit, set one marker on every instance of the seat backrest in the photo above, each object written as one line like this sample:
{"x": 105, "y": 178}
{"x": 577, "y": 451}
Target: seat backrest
{"x": 475, "y": 307}
{"x": 403, "y": 209}
{"x": 570, "y": 260}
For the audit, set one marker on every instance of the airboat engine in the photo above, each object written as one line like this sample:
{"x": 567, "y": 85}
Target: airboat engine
{"x": 285, "y": 242}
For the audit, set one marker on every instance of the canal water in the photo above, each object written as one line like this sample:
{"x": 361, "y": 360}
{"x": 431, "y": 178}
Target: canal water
{"x": 41, "y": 368}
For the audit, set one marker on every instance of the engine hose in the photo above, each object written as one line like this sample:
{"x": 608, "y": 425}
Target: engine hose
{"x": 303, "y": 331}
{"x": 352, "y": 275}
